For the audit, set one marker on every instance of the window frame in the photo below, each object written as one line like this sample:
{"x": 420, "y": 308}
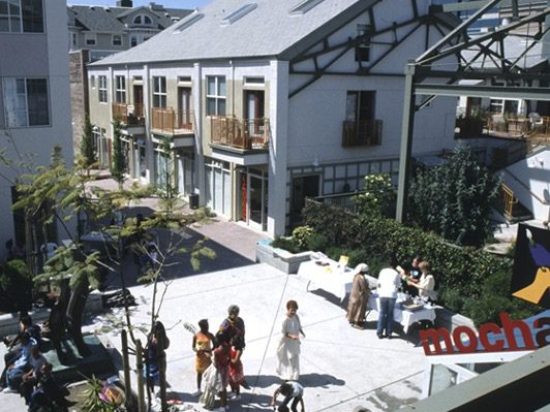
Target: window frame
{"x": 119, "y": 37}
{"x": 26, "y": 21}
{"x": 120, "y": 89}
{"x": 28, "y": 104}
{"x": 159, "y": 94}
{"x": 90, "y": 37}
{"x": 216, "y": 98}
{"x": 102, "y": 90}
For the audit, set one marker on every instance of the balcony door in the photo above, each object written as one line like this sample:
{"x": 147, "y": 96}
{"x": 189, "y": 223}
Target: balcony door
{"x": 254, "y": 112}
{"x": 138, "y": 101}
{"x": 184, "y": 107}
{"x": 253, "y": 191}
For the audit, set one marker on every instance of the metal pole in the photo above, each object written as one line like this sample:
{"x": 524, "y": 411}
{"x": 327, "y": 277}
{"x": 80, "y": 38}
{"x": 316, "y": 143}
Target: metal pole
{"x": 126, "y": 367}
{"x": 139, "y": 367}
{"x": 406, "y": 143}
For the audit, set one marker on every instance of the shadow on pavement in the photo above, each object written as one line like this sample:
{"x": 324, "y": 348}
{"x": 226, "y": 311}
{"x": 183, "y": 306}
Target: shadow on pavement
{"x": 315, "y": 380}
{"x": 178, "y": 264}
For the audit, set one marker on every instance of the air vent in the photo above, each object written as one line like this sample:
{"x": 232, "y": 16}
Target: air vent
{"x": 238, "y": 14}
{"x": 188, "y": 22}
{"x": 304, "y": 6}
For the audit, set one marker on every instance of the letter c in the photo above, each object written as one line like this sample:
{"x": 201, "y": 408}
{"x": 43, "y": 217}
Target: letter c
{"x": 484, "y": 331}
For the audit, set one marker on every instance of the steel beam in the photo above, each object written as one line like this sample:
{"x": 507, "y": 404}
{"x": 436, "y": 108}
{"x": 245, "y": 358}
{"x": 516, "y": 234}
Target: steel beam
{"x": 503, "y": 92}
{"x": 407, "y": 126}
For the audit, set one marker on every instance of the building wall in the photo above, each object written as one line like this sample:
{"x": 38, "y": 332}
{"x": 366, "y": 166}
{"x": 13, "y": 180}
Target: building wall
{"x": 44, "y": 56}
{"x": 79, "y": 94}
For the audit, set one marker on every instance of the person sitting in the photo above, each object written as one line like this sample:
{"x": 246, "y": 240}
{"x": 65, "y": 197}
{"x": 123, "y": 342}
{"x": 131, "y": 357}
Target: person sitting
{"x": 13, "y": 372}
{"x": 32, "y": 376}
{"x": 49, "y": 394}
{"x": 292, "y": 391}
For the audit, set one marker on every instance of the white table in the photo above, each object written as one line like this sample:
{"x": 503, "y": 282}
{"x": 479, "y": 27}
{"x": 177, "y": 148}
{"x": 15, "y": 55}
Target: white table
{"x": 403, "y": 316}
{"x": 330, "y": 278}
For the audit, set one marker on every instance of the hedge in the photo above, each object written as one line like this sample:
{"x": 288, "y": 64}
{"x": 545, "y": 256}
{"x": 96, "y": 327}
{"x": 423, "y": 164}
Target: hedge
{"x": 465, "y": 276}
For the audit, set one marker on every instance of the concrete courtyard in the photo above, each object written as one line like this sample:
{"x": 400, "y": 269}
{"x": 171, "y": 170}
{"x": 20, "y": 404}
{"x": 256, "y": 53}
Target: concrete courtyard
{"x": 341, "y": 367}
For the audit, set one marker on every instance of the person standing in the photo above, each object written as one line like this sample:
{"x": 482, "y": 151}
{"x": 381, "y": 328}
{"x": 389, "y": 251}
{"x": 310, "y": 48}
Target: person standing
{"x": 359, "y": 296}
{"x": 236, "y": 373}
{"x": 216, "y": 377}
{"x": 389, "y": 281}
{"x": 203, "y": 343}
{"x": 426, "y": 283}
{"x": 155, "y": 352}
{"x": 288, "y": 352}
{"x": 233, "y": 326}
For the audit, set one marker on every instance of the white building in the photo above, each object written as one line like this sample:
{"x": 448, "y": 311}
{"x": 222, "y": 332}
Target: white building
{"x": 35, "y": 110}
{"x": 264, "y": 103}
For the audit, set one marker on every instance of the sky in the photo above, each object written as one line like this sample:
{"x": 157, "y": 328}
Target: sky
{"x": 180, "y": 4}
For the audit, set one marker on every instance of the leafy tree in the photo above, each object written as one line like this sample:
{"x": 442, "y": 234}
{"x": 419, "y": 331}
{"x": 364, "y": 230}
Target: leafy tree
{"x": 86, "y": 145}
{"x": 118, "y": 168}
{"x": 454, "y": 199}
{"x": 378, "y": 197}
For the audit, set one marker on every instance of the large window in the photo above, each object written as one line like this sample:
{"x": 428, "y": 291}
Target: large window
{"x": 117, "y": 40}
{"x": 215, "y": 96}
{"x": 120, "y": 91}
{"x": 21, "y": 16}
{"x": 360, "y": 125}
{"x": 102, "y": 88}
{"x": 26, "y": 102}
{"x": 159, "y": 91}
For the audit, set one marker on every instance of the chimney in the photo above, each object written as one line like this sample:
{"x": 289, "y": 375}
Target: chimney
{"x": 124, "y": 3}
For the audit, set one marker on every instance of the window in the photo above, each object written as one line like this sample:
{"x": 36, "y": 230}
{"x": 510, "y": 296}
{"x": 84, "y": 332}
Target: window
{"x": 102, "y": 88}
{"x": 304, "y": 6}
{"x": 120, "y": 89}
{"x": 189, "y": 21}
{"x": 360, "y": 126}
{"x": 142, "y": 19}
{"x": 184, "y": 79}
{"x": 74, "y": 39}
{"x": 215, "y": 96}
{"x": 362, "y": 50}
{"x": 147, "y": 20}
{"x": 256, "y": 81}
{"x": 238, "y": 14}
{"x": 137, "y": 19}
{"x": 26, "y": 102}
{"x": 133, "y": 41}
{"x": 21, "y": 16}
{"x": 90, "y": 39}
{"x": 159, "y": 91}
{"x": 92, "y": 82}
{"x": 117, "y": 40}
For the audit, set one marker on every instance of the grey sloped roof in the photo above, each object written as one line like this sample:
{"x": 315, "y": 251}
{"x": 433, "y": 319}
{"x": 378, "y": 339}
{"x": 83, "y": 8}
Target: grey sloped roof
{"x": 268, "y": 30}
{"x": 111, "y": 19}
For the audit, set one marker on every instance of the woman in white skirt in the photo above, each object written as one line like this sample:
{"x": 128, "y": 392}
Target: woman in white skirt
{"x": 288, "y": 352}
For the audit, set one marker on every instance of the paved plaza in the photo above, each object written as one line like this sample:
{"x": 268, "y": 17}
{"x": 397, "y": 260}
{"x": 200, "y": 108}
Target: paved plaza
{"x": 341, "y": 367}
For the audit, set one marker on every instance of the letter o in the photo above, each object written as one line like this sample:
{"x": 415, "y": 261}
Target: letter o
{"x": 472, "y": 344}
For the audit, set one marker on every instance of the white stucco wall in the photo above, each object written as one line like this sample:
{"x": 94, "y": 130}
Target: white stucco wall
{"x": 38, "y": 142}
{"x": 530, "y": 181}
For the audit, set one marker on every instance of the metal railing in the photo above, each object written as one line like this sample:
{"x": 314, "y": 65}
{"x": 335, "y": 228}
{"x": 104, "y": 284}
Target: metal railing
{"x": 508, "y": 201}
{"x": 361, "y": 133}
{"x": 130, "y": 115}
{"x": 249, "y": 134}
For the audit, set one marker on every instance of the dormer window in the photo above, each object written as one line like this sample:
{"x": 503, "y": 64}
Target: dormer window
{"x": 143, "y": 19}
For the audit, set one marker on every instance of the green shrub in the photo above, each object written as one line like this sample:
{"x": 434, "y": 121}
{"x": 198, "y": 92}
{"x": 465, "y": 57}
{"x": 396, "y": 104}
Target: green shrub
{"x": 286, "y": 243}
{"x": 378, "y": 197}
{"x": 15, "y": 287}
{"x": 317, "y": 241}
{"x": 301, "y": 235}
{"x": 465, "y": 277}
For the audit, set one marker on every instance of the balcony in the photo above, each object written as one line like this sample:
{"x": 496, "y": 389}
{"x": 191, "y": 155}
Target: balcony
{"x": 129, "y": 115}
{"x": 166, "y": 120}
{"x": 361, "y": 133}
{"x": 250, "y": 134}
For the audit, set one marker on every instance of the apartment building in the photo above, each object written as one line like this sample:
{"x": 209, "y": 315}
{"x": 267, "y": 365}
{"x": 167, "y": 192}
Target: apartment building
{"x": 34, "y": 98}
{"x": 263, "y": 103}
{"x": 99, "y": 31}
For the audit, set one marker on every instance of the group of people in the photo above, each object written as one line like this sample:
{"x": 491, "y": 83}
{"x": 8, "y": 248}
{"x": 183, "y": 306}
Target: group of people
{"x": 415, "y": 278}
{"x": 218, "y": 363}
{"x": 27, "y": 372}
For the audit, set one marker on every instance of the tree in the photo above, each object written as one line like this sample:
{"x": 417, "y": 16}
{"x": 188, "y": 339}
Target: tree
{"x": 378, "y": 197}
{"x": 118, "y": 168}
{"x": 87, "y": 145}
{"x": 454, "y": 199}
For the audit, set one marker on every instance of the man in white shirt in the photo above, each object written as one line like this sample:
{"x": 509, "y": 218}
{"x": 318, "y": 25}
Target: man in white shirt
{"x": 389, "y": 281}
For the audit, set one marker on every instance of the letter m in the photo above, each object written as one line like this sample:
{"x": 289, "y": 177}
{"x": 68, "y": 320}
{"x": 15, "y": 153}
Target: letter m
{"x": 434, "y": 337}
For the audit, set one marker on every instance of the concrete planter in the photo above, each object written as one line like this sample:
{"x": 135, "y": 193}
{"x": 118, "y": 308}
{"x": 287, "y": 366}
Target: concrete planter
{"x": 280, "y": 258}
{"x": 9, "y": 322}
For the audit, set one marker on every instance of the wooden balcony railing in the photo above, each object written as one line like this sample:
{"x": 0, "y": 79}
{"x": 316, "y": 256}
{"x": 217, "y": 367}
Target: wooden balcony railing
{"x": 129, "y": 115}
{"x": 361, "y": 133}
{"x": 249, "y": 134}
{"x": 508, "y": 200}
{"x": 167, "y": 120}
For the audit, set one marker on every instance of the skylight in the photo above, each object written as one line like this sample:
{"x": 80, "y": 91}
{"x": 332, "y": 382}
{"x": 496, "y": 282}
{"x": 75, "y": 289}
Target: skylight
{"x": 304, "y": 6}
{"x": 238, "y": 14}
{"x": 188, "y": 22}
